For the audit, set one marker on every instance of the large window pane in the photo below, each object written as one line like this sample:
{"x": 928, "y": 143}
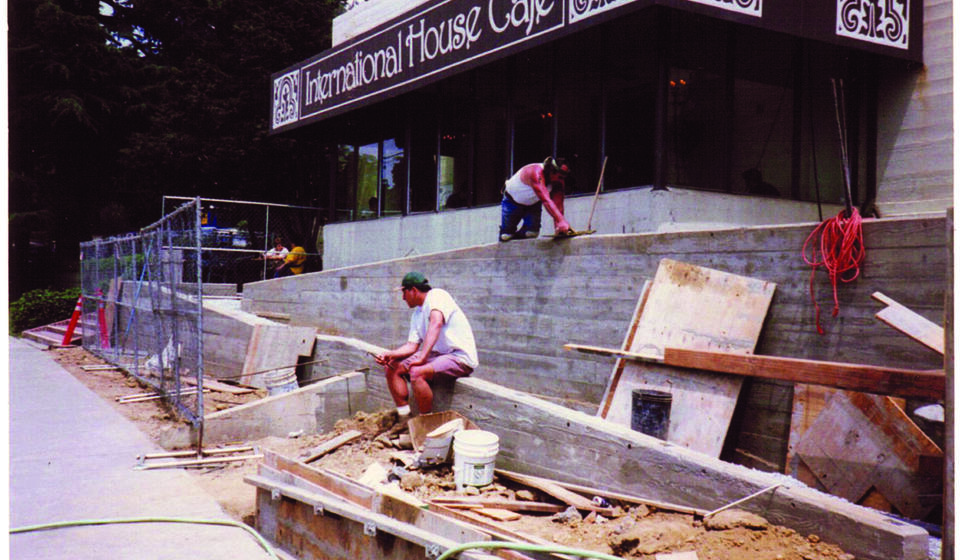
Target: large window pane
{"x": 533, "y": 107}
{"x": 393, "y": 179}
{"x": 578, "y": 109}
{"x": 368, "y": 175}
{"x": 698, "y": 108}
{"x": 346, "y": 182}
{"x": 762, "y": 141}
{"x": 454, "y": 160}
{"x": 423, "y": 153}
{"x": 491, "y": 137}
{"x": 630, "y": 53}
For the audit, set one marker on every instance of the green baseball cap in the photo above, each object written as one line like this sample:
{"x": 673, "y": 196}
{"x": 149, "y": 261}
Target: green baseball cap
{"x": 413, "y": 279}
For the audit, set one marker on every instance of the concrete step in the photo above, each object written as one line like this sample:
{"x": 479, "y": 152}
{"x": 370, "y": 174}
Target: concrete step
{"x": 53, "y": 333}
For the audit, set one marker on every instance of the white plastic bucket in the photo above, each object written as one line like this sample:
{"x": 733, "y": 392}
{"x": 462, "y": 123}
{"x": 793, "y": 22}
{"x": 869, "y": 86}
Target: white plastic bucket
{"x": 474, "y": 457}
{"x": 281, "y": 381}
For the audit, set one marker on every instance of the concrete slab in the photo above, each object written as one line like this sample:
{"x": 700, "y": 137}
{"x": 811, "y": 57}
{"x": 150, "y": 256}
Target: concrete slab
{"x": 72, "y": 458}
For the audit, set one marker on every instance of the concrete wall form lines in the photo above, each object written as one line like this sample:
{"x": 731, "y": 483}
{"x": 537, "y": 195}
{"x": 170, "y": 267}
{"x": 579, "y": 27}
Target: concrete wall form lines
{"x": 915, "y": 143}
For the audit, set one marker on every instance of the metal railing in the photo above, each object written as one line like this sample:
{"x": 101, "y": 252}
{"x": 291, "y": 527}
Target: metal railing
{"x": 142, "y": 307}
{"x": 235, "y": 235}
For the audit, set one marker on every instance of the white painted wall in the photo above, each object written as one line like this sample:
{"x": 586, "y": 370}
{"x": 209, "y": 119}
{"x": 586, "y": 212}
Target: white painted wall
{"x": 368, "y": 15}
{"x": 631, "y": 211}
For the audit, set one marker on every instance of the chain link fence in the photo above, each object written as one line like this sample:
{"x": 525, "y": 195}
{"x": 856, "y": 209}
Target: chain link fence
{"x": 142, "y": 307}
{"x": 236, "y": 235}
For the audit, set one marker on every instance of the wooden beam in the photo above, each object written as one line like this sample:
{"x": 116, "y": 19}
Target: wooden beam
{"x": 923, "y": 384}
{"x": 512, "y": 505}
{"x": 624, "y": 354}
{"x": 910, "y": 323}
{"x": 330, "y": 445}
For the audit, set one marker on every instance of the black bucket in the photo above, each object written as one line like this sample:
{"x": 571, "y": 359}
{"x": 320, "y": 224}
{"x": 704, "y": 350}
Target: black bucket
{"x": 651, "y": 412}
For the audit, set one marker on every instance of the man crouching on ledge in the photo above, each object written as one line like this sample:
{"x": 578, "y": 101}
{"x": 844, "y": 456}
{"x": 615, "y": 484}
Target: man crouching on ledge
{"x": 440, "y": 342}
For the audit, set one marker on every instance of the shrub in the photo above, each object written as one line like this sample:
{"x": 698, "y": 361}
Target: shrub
{"x": 42, "y": 307}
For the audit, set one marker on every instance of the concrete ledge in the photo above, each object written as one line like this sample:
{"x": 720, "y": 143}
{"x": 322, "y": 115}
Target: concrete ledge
{"x": 313, "y": 409}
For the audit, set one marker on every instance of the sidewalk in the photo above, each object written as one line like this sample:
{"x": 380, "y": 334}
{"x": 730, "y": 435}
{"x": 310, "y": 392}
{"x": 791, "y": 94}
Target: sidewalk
{"x": 72, "y": 458}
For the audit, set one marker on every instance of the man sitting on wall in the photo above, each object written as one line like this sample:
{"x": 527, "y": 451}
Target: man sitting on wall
{"x": 532, "y": 188}
{"x": 440, "y": 342}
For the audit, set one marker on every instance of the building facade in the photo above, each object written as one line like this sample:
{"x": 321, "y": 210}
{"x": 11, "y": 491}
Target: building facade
{"x": 695, "y": 113}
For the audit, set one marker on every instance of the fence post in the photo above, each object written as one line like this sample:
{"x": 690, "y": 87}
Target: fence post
{"x": 199, "y": 419}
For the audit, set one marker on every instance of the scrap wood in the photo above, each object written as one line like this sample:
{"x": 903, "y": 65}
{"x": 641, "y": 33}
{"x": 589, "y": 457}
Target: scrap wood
{"x": 925, "y": 384}
{"x": 222, "y": 387}
{"x": 910, "y": 323}
{"x": 99, "y": 368}
{"x": 632, "y": 499}
{"x": 189, "y": 453}
{"x": 744, "y": 499}
{"x": 197, "y": 462}
{"x": 623, "y": 354}
{"x": 499, "y": 514}
{"x": 512, "y": 505}
{"x": 487, "y": 525}
{"x": 553, "y": 489}
{"x": 330, "y": 445}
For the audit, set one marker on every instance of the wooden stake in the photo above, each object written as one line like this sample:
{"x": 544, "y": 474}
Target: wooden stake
{"x": 197, "y": 462}
{"x": 597, "y": 194}
{"x": 742, "y": 500}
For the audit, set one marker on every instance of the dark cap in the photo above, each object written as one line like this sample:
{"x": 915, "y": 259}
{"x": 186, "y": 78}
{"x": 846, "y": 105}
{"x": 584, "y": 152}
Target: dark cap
{"x": 414, "y": 279}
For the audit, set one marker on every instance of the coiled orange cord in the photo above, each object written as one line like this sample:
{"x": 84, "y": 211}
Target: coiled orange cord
{"x": 840, "y": 251}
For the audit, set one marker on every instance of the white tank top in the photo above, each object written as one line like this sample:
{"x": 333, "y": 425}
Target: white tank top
{"x": 520, "y": 192}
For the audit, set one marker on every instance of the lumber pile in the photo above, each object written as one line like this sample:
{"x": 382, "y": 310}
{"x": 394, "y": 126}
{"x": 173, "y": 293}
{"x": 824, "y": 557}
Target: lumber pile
{"x": 693, "y": 336}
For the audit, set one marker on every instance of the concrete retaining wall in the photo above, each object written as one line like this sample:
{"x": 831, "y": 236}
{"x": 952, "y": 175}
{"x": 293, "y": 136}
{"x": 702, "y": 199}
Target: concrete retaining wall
{"x": 313, "y": 409}
{"x": 526, "y": 299}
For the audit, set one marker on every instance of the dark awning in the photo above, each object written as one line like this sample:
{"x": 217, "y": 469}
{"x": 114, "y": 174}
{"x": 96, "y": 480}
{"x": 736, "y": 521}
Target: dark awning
{"x": 443, "y": 37}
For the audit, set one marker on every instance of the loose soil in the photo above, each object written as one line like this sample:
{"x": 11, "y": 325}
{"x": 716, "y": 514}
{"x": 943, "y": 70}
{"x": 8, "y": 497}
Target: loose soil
{"x": 630, "y": 531}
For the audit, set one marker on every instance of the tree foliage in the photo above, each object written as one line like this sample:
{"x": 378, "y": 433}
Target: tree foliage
{"x": 114, "y": 103}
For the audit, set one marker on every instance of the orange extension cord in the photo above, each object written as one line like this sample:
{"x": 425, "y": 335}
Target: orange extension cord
{"x": 840, "y": 251}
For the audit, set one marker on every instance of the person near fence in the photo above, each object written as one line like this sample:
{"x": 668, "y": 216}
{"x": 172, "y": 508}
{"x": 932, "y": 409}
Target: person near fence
{"x": 278, "y": 252}
{"x": 439, "y": 343}
{"x": 293, "y": 263}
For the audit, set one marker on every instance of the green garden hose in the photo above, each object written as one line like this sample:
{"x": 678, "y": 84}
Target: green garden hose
{"x": 78, "y": 523}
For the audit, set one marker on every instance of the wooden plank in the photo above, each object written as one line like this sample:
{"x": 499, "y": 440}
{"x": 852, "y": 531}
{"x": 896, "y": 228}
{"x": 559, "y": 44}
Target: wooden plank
{"x": 698, "y": 308}
{"x": 498, "y": 514}
{"x": 864, "y": 441}
{"x": 330, "y": 445}
{"x": 923, "y": 384}
{"x": 910, "y": 323}
{"x": 551, "y": 488}
{"x": 512, "y": 505}
{"x": 624, "y": 354}
{"x": 631, "y": 499}
{"x": 221, "y": 387}
{"x": 627, "y": 344}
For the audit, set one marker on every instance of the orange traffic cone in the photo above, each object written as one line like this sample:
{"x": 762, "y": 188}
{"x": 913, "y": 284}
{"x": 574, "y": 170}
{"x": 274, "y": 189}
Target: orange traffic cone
{"x": 74, "y": 319}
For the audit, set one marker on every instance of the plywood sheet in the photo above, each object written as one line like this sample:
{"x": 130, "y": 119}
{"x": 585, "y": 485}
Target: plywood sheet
{"x": 861, "y": 442}
{"x": 699, "y": 308}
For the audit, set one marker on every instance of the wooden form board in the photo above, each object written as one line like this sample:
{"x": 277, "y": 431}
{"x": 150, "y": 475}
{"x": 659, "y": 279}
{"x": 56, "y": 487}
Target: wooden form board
{"x": 910, "y": 323}
{"x": 693, "y": 307}
{"x": 275, "y": 346}
{"x": 861, "y": 442}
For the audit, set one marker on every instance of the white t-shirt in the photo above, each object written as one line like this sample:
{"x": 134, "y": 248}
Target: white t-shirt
{"x": 456, "y": 336}
{"x": 282, "y": 253}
